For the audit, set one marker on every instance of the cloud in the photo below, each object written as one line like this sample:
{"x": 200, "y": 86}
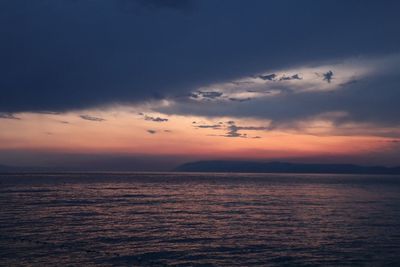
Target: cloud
{"x": 273, "y": 77}
{"x": 232, "y": 130}
{"x": 348, "y": 83}
{"x": 83, "y": 54}
{"x": 154, "y": 119}
{"x": 48, "y": 112}
{"x": 269, "y": 77}
{"x": 214, "y": 126}
{"x": 10, "y": 116}
{"x": 288, "y": 78}
{"x": 240, "y": 99}
{"x": 372, "y": 99}
{"x": 258, "y": 91}
{"x": 207, "y": 95}
{"x": 150, "y": 131}
{"x": 91, "y": 118}
{"x": 250, "y": 87}
{"x": 328, "y": 76}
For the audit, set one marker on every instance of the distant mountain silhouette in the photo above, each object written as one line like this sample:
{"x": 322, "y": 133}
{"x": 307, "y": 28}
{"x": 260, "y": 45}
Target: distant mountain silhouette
{"x": 281, "y": 167}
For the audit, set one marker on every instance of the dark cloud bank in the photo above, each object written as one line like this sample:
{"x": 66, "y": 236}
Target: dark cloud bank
{"x": 65, "y": 55}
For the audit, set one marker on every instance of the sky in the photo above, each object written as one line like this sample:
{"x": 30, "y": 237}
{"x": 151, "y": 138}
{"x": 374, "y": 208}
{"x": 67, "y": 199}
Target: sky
{"x": 149, "y": 84}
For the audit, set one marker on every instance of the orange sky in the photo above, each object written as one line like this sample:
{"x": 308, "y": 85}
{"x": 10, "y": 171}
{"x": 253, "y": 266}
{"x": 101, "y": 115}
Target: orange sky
{"x": 123, "y": 130}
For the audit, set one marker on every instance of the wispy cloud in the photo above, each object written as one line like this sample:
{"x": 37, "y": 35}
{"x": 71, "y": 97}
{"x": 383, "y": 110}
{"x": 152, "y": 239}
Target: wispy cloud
{"x": 91, "y": 118}
{"x": 9, "y": 116}
{"x": 288, "y": 78}
{"x": 207, "y": 95}
{"x": 152, "y": 131}
{"x": 269, "y": 77}
{"x": 232, "y": 130}
{"x": 240, "y": 99}
{"x": 151, "y": 118}
{"x": 348, "y": 83}
{"x": 213, "y": 126}
{"x": 48, "y": 112}
{"x": 283, "y": 77}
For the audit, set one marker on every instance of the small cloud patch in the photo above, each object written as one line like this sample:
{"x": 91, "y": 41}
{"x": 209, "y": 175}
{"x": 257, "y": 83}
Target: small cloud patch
{"x": 275, "y": 77}
{"x": 207, "y": 95}
{"x": 289, "y": 78}
{"x": 213, "y": 126}
{"x": 151, "y": 118}
{"x": 232, "y": 130}
{"x": 8, "y": 116}
{"x": 269, "y": 77}
{"x": 91, "y": 118}
{"x": 327, "y": 76}
{"x": 240, "y": 99}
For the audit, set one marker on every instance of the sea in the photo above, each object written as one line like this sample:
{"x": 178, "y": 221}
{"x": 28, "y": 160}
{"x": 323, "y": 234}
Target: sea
{"x": 199, "y": 219}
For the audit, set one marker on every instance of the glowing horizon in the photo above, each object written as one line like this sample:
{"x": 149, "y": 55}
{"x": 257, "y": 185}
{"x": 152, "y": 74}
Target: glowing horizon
{"x": 122, "y": 130}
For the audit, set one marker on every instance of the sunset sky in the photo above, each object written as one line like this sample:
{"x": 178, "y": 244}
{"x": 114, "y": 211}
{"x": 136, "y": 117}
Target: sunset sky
{"x": 149, "y": 84}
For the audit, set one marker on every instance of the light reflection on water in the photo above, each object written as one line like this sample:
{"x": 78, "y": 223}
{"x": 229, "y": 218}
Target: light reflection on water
{"x": 118, "y": 219}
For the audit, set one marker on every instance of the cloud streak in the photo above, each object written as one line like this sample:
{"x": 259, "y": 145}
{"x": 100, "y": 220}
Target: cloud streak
{"x": 289, "y": 78}
{"x": 232, "y": 130}
{"x": 151, "y": 118}
{"x": 91, "y": 118}
{"x": 269, "y": 77}
{"x": 9, "y": 116}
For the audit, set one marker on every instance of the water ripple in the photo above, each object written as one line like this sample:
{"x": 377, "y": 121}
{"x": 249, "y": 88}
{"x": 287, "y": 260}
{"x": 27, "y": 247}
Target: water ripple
{"x": 145, "y": 219}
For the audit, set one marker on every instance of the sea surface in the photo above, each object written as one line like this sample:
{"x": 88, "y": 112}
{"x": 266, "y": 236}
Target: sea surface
{"x": 201, "y": 219}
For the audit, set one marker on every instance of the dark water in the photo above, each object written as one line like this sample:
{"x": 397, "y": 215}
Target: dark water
{"x": 199, "y": 219}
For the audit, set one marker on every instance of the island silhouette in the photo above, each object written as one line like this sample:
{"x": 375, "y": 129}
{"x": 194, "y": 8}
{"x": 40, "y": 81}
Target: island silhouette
{"x": 281, "y": 167}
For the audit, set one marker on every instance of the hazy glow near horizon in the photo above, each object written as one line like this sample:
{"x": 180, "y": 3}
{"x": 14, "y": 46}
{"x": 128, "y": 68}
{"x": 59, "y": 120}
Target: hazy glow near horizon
{"x": 123, "y": 130}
